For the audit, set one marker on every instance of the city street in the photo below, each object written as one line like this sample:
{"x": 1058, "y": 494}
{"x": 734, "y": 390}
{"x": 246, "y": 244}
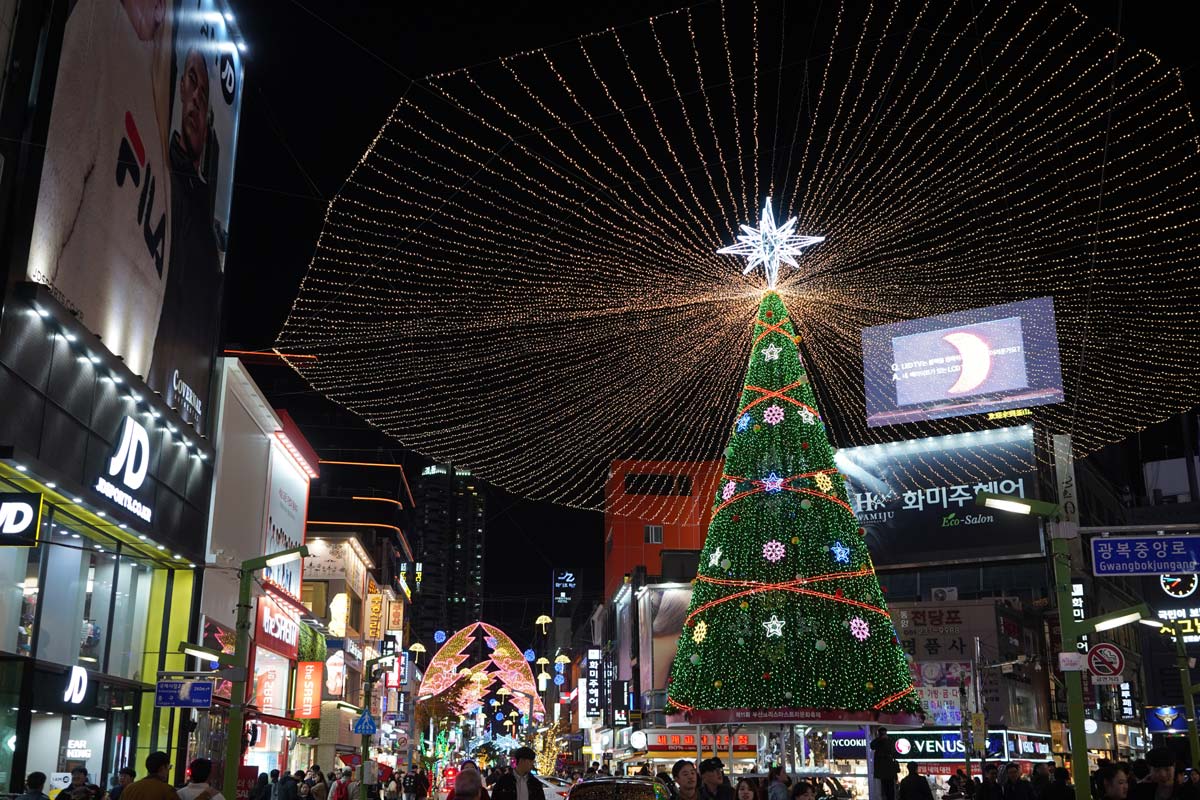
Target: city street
{"x": 769, "y": 400}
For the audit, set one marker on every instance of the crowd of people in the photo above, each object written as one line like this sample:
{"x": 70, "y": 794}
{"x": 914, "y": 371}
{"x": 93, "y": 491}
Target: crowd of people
{"x": 1156, "y": 777}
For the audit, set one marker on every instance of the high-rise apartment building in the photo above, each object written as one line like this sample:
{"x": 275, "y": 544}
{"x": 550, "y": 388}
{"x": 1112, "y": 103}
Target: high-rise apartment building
{"x": 449, "y": 535}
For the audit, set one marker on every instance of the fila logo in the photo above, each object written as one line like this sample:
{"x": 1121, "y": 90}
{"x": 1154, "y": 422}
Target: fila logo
{"x": 133, "y": 455}
{"x": 77, "y": 688}
{"x": 16, "y": 516}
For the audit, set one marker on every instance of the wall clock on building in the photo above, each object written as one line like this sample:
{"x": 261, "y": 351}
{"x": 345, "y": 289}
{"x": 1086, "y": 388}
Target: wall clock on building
{"x": 1178, "y": 585}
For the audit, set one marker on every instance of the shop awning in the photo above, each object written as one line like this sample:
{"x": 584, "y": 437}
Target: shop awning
{"x": 271, "y": 719}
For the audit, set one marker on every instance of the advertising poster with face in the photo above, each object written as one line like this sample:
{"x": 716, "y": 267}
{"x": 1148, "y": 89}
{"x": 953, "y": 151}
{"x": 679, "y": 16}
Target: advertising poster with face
{"x": 132, "y": 217}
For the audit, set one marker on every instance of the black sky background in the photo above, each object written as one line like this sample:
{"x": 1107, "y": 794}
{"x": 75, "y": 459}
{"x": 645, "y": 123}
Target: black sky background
{"x": 321, "y": 78}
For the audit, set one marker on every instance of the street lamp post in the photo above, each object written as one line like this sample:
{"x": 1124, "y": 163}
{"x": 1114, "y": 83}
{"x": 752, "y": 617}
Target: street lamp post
{"x": 1072, "y": 629}
{"x": 238, "y": 661}
{"x": 1185, "y": 683}
{"x": 368, "y": 685}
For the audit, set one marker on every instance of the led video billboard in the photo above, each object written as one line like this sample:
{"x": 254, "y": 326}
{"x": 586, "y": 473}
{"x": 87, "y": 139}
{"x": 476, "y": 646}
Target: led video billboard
{"x": 969, "y": 362}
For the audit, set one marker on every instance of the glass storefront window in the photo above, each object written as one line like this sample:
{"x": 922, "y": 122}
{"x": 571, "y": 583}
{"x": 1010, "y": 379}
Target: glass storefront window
{"x": 18, "y": 598}
{"x": 10, "y": 694}
{"x": 129, "y": 619}
{"x": 79, "y": 577}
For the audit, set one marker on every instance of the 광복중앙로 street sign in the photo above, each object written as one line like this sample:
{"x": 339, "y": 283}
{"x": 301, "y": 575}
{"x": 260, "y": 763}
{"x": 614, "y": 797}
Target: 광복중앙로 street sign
{"x": 1145, "y": 555}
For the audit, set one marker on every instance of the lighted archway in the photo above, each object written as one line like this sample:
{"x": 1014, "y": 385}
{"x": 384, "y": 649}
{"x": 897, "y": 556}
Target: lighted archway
{"x": 505, "y": 664}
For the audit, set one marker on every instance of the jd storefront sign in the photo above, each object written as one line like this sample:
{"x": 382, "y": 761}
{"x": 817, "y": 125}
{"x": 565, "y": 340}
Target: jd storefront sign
{"x": 20, "y": 518}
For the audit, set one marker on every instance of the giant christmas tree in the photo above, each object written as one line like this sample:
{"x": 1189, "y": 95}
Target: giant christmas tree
{"x": 787, "y": 619}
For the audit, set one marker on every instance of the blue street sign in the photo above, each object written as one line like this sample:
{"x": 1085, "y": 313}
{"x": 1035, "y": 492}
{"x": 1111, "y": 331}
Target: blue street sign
{"x": 1145, "y": 555}
{"x": 183, "y": 694}
{"x": 365, "y": 725}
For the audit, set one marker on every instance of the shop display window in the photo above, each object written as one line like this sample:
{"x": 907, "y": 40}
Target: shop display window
{"x": 18, "y": 598}
{"x": 271, "y": 681}
{"x": 10, "y": 693}
{"x": 129, "y": 618}
{"x": 79, "y": 575}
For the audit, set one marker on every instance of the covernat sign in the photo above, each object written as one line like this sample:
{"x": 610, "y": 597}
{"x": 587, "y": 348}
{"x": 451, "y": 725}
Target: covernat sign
{"x": 278, "y": 629}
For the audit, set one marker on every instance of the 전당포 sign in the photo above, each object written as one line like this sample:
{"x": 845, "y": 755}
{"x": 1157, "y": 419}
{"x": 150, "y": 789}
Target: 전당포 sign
{"x": 1145, "y": 555}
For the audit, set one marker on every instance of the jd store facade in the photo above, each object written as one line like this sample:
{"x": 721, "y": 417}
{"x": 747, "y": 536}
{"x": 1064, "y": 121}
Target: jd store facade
{"x": 99, "y": 579}
{"x": 111, "y": 262}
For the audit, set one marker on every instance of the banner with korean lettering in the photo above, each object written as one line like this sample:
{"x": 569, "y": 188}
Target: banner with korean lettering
{"x": 374, "y": 616}
{"x": 308, "y": 689}
{"x": 916, "y": 499}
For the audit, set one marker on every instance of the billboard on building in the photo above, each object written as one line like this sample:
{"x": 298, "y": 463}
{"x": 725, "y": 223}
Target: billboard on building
{"x": 969, "y": 362}
{"x": 132, "y": 215}
{"x": 916, "y": 499}
{"x": 287, "y": 510}
{"x": 661, "y": 612}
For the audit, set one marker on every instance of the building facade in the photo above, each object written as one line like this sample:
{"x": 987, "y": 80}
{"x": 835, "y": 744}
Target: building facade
{"x": 449, "y": 535}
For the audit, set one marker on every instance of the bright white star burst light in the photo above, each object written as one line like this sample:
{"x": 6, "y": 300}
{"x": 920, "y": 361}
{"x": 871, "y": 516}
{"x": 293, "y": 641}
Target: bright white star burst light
{"x": 768, "y": 245}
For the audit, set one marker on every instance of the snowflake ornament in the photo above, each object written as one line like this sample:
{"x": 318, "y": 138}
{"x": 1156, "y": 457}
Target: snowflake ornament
{"x": 700, "y": 632}
{"x": 772, "y": 483}
{"x": 773, "y": 415}
{"x": 859, "y": 629}
{"x": 729, "y": 491}
{"x": 771, "y": 352}
{"x": 841, "y": 553}
{"x": 773, "y": 551}
{"x": 774, "y": 626}
{"x": 823, "y": 482}
{"x": 744, "y": 422}
{"x": 715, "y": 558}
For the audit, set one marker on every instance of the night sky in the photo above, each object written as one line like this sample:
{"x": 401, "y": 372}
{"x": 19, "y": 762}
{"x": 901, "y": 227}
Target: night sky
{"x": 321, "y": 79}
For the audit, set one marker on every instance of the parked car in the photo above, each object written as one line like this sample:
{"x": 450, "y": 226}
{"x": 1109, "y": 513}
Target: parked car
{"x": 614, "y": 788}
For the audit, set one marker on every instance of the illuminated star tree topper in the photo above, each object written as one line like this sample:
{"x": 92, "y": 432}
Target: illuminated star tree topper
{"x": 768, "y": 245}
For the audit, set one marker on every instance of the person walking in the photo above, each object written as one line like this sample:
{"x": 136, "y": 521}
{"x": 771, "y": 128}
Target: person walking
{"x": 777, "y": 784}
{"x": 1112, "y": 782}
{"x": 198, "y": 788}
{"x": 423, "y": 784}
{"x": 341, "y": 787}
{"x": 915, "y": 786}
{"x": 408, "y": 784}
{"x": 687, "y": 780}
{"x": 80, "y": 788}
{"x": 35, "y": 782}
{"x": 155, "y": 785}
{"x": 468, "y": 785}
{"x": 1015, "y": 787}
{"x": 520, "y": 784}
{"x": 126, "y": 776}
{"x": 262, "y": 788}
{"x": 887, "y": 769}
{"x": 320, "y": 789}
{"x": 1060, "y": 787}
{"x": 713, "y": 785}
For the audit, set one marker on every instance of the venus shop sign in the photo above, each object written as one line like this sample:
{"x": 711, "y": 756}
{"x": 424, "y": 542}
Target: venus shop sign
{"x": 277, "y": 628}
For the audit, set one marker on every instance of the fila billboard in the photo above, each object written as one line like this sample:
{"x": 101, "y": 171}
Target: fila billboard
{"x": 136, "y": 175}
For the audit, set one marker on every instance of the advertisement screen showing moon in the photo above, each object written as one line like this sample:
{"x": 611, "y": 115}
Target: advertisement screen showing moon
{"x": 966, "y": 363}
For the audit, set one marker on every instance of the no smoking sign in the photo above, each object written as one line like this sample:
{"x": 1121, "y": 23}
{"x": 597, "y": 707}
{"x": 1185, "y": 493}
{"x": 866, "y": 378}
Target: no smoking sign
{"x": 1106, "y": 662}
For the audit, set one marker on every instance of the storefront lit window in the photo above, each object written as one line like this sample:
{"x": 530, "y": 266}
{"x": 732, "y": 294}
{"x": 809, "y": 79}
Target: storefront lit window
{"x": 79, "y": 574}
{"x": 18, "y": 598}
{"x": 271, "y": 681}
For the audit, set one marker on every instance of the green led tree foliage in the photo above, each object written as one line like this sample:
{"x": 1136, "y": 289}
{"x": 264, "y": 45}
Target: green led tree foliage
{"x": 787, "y": 619}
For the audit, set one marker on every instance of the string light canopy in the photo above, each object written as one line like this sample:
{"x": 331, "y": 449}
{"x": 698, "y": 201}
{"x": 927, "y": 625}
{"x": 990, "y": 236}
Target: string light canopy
{"x": 521, "y": 276}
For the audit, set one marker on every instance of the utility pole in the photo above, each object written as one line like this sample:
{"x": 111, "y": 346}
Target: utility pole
{"x": 369, "y": 678}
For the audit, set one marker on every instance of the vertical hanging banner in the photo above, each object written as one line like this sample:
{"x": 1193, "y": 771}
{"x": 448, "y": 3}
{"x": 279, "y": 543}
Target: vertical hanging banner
{"x": 374, "y": 615}
{"x": 308, "y": 689}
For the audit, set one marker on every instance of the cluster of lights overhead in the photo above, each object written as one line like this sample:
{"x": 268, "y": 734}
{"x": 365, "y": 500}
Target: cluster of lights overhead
{"x": 506, "y": 666}
{"x": 521, "y": 276}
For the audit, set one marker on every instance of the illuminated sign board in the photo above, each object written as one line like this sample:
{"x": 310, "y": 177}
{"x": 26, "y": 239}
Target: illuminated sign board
{"x": 20, "y": 518}
{"x": 126, "y": 470}
{"x": 969, "y": 362}
{"x": 564, "y": 584}
{"x": 915, "y": 498}
{"x": 593, "y": 674}
{"x": 308, "y": 689}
